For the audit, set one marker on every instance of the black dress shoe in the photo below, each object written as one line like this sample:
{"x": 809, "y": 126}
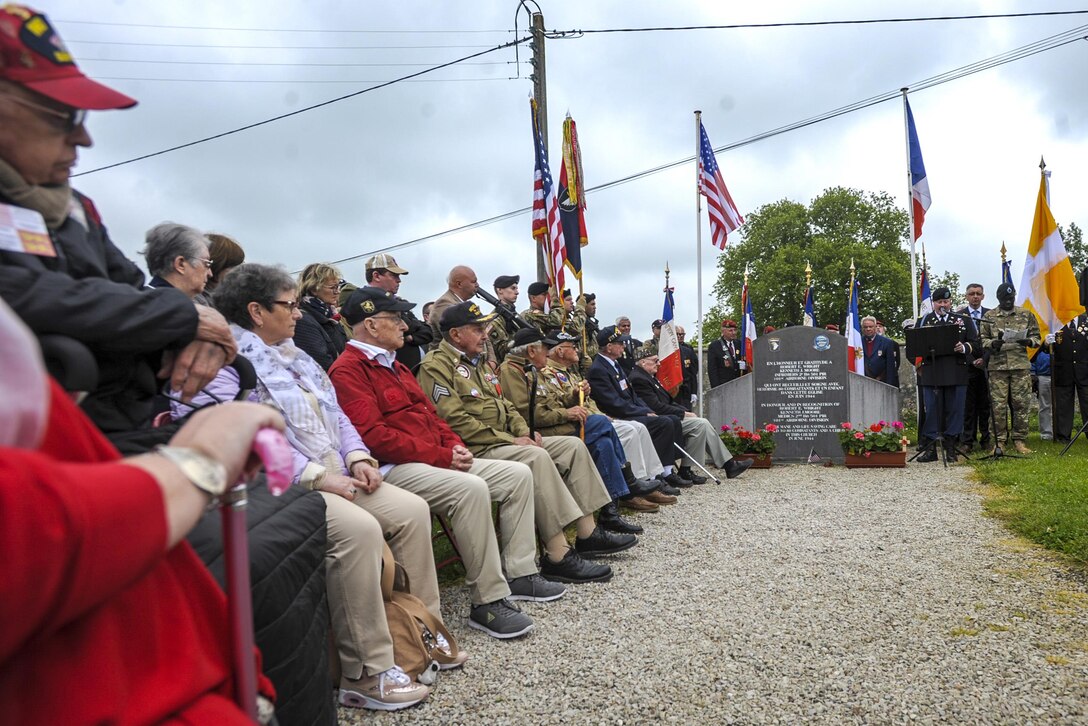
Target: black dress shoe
{"x": 927, "y": 456}
{"x": 734, "y": 468}
{"x": 602, "y": 542}
{"x": 666, "y": 489}
{"x": 676, "y": 480}
{"x": 642, "y": 487}
{"x": 572, "y": 568}
{"x": 687, "y": 473}
{"x": 610, "y": 519}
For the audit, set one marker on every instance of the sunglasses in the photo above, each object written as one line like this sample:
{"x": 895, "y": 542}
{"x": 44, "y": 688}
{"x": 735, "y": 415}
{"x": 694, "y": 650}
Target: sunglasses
{"x": 65, "y": 121}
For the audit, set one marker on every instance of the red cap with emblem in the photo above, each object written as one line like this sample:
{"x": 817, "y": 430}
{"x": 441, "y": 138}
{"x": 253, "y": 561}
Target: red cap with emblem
{"x": 33, "y": 55}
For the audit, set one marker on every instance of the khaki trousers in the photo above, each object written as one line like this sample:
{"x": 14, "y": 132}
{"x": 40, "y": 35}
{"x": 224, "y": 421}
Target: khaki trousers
{"x": 701, "y": 441}
{"x": 638, "y": 447}
{"x": 566, "y": 485}
{"x": 464, "y": 498}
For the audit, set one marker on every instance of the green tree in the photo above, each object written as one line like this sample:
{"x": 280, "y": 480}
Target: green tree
{"x": 1075, "y": 246}
{"x": 838, "y": 226}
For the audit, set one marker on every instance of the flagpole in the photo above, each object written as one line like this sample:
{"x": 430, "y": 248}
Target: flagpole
{"x": 699, "y": 257}
{"x": 910, "y": 211}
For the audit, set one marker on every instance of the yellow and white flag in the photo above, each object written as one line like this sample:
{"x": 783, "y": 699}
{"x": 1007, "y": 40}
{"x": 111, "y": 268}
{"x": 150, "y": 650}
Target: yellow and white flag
{"x": 1048, "y": 288}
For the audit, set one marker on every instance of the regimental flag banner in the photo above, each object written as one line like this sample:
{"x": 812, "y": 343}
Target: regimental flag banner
{"x": 547, "y": 228}
{"x": 919, "y": 185}
{"x": 925, "y": 297}
{"x": 724, "y": 217}
{"x": 671, "y": 370}
{"x": 1048, "y": 288}
{"x": 572, "y": 198}
{"x": 1006, "y": 273}
{"x": 810, "y": 308}
{"x": 748, "y": 329}
{"x": 854, "y": 345}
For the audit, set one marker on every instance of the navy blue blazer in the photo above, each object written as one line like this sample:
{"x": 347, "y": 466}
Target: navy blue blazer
{"x": 883, "y": 363}
{"x": 612, "y": 390}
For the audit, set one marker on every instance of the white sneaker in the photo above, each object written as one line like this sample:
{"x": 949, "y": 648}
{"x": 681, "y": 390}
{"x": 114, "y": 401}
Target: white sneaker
{"x": 391, "y": 690}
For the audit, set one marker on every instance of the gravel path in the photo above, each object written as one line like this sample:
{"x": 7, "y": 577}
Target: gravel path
{"x": 798, "y": 594}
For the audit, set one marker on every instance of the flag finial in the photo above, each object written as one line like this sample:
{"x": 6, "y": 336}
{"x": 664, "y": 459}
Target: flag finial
{"x": 808, "y": 273}
{"x": 1003, "y": 251}
{"x": 1042, "y": 164}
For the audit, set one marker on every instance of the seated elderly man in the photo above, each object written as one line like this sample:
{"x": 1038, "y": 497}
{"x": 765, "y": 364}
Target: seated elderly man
{"x": 525, "y": 383}
{"x": 177, "y": 257}
{"x": 71, "y": 280}
{"x": 566, "y": 487}
{"x": 391, "y": 413}
{"x": 700, "y": 438}
{"x": 638, "y": 447}
{"x": 612, "y": 391}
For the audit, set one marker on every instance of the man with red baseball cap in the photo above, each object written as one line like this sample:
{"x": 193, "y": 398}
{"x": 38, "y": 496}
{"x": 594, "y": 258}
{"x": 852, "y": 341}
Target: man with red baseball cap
{"x": 59, "y": 270}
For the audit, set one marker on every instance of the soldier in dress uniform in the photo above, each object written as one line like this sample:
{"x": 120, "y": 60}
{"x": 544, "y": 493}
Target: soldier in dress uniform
{"x": 1008, "y": 331}
{"x": 722, "y": 358}
{"x": 1069, "y": 368}
{"x": 944, "y": 380}
{"x": 630, "y": 345}
{"x": 689, "y": 388}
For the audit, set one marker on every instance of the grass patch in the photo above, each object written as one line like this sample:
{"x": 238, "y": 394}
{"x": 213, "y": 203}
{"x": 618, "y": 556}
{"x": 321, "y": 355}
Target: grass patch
{"x": 1043, "y": 497}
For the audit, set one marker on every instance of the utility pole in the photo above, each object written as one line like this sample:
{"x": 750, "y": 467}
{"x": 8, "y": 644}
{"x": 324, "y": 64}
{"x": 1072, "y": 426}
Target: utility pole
{"x": 540, "y": 92}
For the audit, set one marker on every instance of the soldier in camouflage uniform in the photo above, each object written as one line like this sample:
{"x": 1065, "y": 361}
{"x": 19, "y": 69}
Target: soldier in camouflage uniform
{"x": 506, "y": 290}
{"x": 650, "y": 346}
{"x": 567, "y": 487}
{"x": 587, "y": 342}
{"x": 535, "y": 315}
{"x": 1008, "y": 331}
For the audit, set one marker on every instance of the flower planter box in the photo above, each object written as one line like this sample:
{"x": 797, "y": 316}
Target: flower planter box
{"x": 759, "y": 461}
{"x": 887, "y": 459}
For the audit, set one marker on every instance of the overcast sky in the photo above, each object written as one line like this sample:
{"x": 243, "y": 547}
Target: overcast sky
{"x": 419, "y": 158}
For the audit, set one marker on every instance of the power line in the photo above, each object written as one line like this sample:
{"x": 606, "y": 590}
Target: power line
{"x": 307, "y": 81}
{"x": 278, "y": 47}
{"x": 815, "y": 23}
{"x": 277, "y": 30}
{"x": 1049, "y": 43}
{"x": 304, "y": 110}
{"x": 289, "y": 65}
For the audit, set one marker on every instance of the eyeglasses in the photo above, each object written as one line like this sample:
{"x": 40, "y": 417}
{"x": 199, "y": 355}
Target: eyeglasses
{"x": 394, "y": 318}
{"x": 334, "y": 286}
{"x": 206, "y": 263}
{"x": 291, "y": 305}
{"x": 65, "y": 121}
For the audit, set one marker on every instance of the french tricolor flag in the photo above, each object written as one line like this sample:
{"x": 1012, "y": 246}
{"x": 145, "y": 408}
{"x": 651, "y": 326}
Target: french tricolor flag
{"x": 919, "y": 185}
{"x": 748, "y": 327}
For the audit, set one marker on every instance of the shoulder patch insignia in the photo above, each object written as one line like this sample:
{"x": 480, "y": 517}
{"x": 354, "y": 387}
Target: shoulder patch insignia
{"x": 438, "y": 392}
{"x": 462, "y": 371}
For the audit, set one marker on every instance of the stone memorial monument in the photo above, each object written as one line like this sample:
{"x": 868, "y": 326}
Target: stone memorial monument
{"x": 800, "y": 382}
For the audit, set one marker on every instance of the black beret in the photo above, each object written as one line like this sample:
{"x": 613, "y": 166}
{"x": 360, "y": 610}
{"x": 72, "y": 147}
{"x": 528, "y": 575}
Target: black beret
{"x": 591, "y": 296}
{"x": 504, "y": 281}
{"x": 942, "y": 293}
{"x": 538, "y": 288}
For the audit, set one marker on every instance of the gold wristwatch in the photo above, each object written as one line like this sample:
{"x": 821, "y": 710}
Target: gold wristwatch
{"x": 204, "y": 472}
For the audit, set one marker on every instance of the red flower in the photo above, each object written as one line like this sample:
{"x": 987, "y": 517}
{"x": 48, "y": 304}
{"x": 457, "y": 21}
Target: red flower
{"x": 755, "y": 437}
{"x": 859, "y": 435}
{"x": 876, "y": 428}
{"x": 867, "y": 454}
{"x": 771, "y": 428}
{"x": 847, "y": 425}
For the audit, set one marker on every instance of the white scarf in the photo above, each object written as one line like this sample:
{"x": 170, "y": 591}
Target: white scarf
{"x": 283, "y": 373}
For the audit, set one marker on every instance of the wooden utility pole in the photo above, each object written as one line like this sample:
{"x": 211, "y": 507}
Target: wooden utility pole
{"x": 540, "y": 92}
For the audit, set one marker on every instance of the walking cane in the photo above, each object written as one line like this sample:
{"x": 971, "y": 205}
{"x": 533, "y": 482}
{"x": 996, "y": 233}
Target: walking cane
{"x": 693, "y": 461}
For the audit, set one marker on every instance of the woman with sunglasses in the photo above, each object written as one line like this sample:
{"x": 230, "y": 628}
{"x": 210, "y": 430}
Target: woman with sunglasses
{"x": 318, "y": 331}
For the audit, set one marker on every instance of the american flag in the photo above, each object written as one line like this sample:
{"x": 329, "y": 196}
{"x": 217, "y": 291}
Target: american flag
{"x": 724, "y": 217}
{"x": 547, "y": 226}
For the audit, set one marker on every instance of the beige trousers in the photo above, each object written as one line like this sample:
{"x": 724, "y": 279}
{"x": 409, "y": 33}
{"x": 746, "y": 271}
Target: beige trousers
{"x": 638, "y": 447}
{"x": 701, "y": 441}
{"x": 464, "y": 498}
{"x": 566, "y": 485}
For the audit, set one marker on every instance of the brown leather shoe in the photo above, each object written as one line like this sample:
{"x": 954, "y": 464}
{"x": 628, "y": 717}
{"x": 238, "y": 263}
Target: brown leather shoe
{"x": 639, "y": 504}
{"x": 1021, "y": 448}
{"x": 661, "y": 498}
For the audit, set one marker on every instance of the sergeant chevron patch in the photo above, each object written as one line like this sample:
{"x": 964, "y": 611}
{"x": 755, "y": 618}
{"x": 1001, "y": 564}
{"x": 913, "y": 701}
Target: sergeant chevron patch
{"x": 438, "y": 392}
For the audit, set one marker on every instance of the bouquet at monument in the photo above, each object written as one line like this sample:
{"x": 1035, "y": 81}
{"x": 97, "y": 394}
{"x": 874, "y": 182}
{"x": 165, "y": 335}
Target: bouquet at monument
{"x": 864, "y": 440}
{"x": 740, "y": 440}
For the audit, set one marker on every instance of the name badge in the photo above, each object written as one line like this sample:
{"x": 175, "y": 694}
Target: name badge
{"x": 623, "y": 384}
{"x": 23, "y": 230}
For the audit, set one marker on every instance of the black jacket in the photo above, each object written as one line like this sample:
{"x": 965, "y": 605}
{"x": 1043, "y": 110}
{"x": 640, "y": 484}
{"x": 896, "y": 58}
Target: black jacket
{"x": 612, "y": 390}
{"x": 653, "y": 394}
{"x": 950, "y": 370}
{"x": 1069, "y": 354}
{"x": 416, "y": 340}
{"x": 690, "y": 386}
{"x": 716, "y": 356}
{"x": 317, "y": 333}
{"x": 92, "y": 293}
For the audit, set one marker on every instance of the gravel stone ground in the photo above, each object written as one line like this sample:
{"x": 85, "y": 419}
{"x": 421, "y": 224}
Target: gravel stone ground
{"x": 796, "y": 594}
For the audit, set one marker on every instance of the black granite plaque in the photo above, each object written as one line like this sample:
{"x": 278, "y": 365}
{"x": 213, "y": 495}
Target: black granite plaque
{"x": 800, "y": 385}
